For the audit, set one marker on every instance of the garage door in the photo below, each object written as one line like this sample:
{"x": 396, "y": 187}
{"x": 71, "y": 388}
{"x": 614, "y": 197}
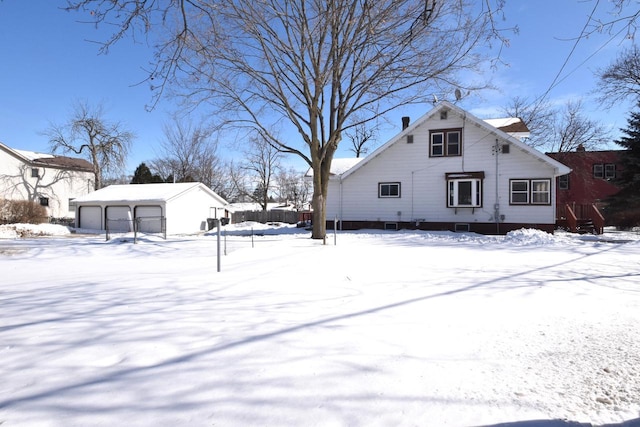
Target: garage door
{"x": 149, "y": 219}
{"x": 119, "y": 219}
{"x": 90, "y": 217}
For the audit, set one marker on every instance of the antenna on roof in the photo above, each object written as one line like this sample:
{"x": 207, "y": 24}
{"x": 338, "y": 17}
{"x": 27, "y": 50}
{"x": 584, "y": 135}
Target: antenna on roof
{"x": 435, "y": 99}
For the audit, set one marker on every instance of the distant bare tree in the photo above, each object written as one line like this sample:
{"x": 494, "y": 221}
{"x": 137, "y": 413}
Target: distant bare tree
{"x": 188, "y": 154}
{"x": 361, "y": 138}
{"x": 538, "y": 117}
{"x": 88, "y": 133}
{"x": 292, "y": 187}
{"x": 262, "y": 162}
{"x": 620, "y": 81}
{"x": 309, "y": 66}
{"x": 572, "y": 129}
{"x": 559, "y": 129}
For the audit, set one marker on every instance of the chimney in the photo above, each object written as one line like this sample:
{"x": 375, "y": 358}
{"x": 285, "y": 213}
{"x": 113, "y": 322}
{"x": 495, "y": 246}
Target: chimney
{"x": 405, "y": 122}
{"x": 580, "y": 148}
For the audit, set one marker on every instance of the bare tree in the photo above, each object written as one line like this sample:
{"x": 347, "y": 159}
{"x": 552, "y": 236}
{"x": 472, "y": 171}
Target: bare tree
{"x": 310, "y": 66}
{"x": 88, "y": 133}
{"x": 621, "y": 79}
{"x": 538, "y": 117}
{"x": 234, "y": 186}
{"x": 188, "y": 154}
{"x": 572, "y": 129}
{"x": 361, "y": 138}
{"x": 262, "y": 162}
{"x": 292, "y": 187}
{"x": 559, "y": 129}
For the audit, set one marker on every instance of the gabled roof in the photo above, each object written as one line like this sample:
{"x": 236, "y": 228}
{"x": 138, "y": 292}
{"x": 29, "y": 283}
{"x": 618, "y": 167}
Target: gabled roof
{"x": 48, "y": 160}
{"x": 559, "y": 168}
{"x": 156, "y": 192}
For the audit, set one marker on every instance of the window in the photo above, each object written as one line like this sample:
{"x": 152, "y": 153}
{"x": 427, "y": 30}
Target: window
{"x": 598, "y": 170}
{"x": 530, "y": 191}
{"x": 389, "y": 189}
{"x": 519, "y": 192}
{"x": 604, "y": 171}
{"x": 609, "y": 171}
{"x": 464, "y": 189}
{"x": 35, "y": 173}
{"x": 44, "y": 201}
{"x": 72, "y": 205}
{"x": 445, "y": 143}
{"x": 540, "y": 191}
{"x": 563, "y": 182}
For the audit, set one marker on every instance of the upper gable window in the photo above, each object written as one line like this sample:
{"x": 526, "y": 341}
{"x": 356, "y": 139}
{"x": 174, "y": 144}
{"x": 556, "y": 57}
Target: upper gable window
{"x": 35, "y": 173}
{"x": 444, "y": 143}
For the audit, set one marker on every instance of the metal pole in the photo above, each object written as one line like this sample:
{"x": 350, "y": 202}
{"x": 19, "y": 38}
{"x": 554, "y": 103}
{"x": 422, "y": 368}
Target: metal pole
{"x": 225, "y": 242}
{"x": 219, "y": 255}
{"x": 335, "y": 231}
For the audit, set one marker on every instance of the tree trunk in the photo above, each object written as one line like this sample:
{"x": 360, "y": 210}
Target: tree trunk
{"x": 321, "y": 175}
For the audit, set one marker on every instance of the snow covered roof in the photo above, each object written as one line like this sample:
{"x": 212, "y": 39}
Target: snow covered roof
{"x": 157, "y": 192}
{"x": 513, "y": 126}
{"x": 339, "y": 166}
{"x": 49, "y": 160}
{"x": 33, "y": 155}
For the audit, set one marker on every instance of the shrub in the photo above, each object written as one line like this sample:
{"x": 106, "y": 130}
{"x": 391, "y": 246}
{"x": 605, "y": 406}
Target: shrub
{"x": 625, "y": 219}
{"x": 22, "y": 211}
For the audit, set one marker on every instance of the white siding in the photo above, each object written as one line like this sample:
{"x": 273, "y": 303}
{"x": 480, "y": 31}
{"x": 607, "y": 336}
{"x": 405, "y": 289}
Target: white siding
{"x": 423, "y": 183}
{"x": 57, "y": 185}
{"x": 188, "y": 213}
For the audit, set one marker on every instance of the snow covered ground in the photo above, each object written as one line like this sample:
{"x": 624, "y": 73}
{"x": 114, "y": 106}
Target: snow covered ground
{"x": 380, "y": 329}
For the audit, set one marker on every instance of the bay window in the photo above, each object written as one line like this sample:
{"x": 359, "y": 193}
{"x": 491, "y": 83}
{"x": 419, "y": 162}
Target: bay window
{"x": 464, "y": 189}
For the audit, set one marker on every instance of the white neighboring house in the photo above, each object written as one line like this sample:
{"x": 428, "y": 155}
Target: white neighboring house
{"x": 52, "y": 181}
{"x": 180, "y": 208}
{"x": 448, "y": 171}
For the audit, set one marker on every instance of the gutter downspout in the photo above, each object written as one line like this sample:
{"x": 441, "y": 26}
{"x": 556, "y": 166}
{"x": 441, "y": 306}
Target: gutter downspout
{"x": 496, "y": 206}
{"x": 340, "y": 210}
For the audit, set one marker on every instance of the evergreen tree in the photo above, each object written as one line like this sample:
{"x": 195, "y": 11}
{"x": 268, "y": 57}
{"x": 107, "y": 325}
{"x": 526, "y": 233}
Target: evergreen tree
{"x": 143, "y": 175}
{"x": 624, "y": 207}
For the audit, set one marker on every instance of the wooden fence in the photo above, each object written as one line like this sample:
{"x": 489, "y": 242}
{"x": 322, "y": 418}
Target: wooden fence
{"x": 289, "y": 217}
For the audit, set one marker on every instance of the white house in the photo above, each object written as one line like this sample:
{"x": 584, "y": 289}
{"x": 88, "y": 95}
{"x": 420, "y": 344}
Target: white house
{"x": 52, "y": 181}
{"x": 449, "y": 171}
{"x": 180, "y": 208}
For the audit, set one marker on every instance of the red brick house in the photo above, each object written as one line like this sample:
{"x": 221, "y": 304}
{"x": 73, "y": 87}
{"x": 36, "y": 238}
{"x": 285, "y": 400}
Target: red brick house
{"x": 581, "y": 193}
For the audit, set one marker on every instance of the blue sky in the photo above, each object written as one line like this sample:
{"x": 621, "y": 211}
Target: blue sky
{"x": 47, "y": 61}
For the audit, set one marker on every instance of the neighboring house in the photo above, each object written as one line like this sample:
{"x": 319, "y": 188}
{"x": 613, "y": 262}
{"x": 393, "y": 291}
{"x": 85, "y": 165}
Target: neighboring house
{"x": 180, "y": 208}
{"x": 449, "y": 171}
{"x": 52, "y": 181}
{"x": 581, "y": 194}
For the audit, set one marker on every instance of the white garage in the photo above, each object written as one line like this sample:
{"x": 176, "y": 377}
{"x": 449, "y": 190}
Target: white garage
{"x": 181, "y": 208}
